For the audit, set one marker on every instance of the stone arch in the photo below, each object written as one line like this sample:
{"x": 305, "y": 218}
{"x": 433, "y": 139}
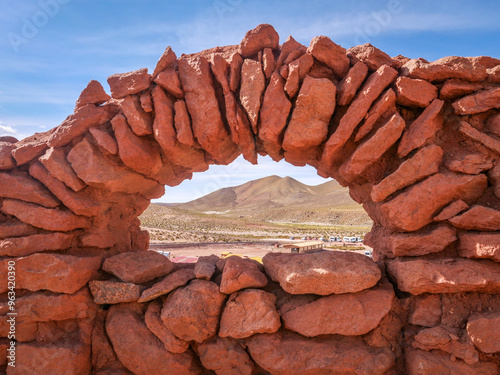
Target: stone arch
{"x": 417, "y": 143}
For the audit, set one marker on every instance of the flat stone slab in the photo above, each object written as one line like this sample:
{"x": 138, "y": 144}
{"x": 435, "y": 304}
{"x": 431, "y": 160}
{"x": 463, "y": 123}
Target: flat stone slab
{"x": 111, "y": 292}
{"x": 322, "y": 273}
{"x": 446, "y": 276}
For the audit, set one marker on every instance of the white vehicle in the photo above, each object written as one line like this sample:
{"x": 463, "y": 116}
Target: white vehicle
{"x": 359, "y": 239}
{"x": 368, "y": 253}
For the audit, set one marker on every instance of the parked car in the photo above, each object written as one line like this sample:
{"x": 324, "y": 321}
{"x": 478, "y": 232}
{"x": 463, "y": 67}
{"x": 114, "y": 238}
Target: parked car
{"x": 369, "y": 253}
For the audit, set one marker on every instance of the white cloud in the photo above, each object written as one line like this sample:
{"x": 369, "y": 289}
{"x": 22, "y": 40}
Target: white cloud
{"x": 7, "y": 130}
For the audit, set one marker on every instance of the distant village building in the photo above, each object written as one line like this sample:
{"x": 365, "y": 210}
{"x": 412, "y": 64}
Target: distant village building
{"x": 304, "y": 246}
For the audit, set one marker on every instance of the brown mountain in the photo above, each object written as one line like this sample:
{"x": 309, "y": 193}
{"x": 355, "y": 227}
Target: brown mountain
{"x": 282, "y": 199}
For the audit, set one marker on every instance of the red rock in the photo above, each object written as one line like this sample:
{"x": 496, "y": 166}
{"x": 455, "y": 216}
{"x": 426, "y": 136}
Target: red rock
{"x": 412, "y": 209}
{"x": 192, "y": 312}
{"x": 314, "y": 107}
{"x": 350, "y": 84}
{"x": 263, "y": 36}
{"x": 58, "y": 273}
{"x": 46, "y": 306}
{"x": 297, "y": 72}
{"x": 480, "y": 137}
{"x": 426, "y": 310}
{"x": 240, "y": 274}
{"x": 225, "y": 356}
{"x": 108, "y": 174}
{"x": 349, "y": 314}
{"x": 76, "y": 202}
{"x": 112, "y": 292}
{"x": 183, "y": 123}
{"x": 27, "y": 189}
{"x": 322, "y": 273}
{"x": 451, "y": 210}
{"x": 273, "y": 115}
{"x": 203, "y": 107}
{"x": 138, "y": 267}
{"x": 494, "y": 74}
{"x": 53, "y": 219}
{"x": 15, "y": 228}
{"x": 169, "y": 80}
{"x": 155, "y": 325}
{"x": 92, "y": 94}
{"x": 447, "y": 67}
{"x": 424, "y": 163}
{"x": 268, "y": 62}
{"x": 167, "y": 284}
{"x": 146, "y": 101}
{"x": 166, "y": 137}
{"x": 204, "y": 270}
{"x": 470, "y": 164}
{"x": 479, "y": 102}
{"x": 429, "y": 241}
{"x": 6, "y": 160}
{"x": 484, "y": 333}
{"x": 386, "y": 103}
{"x": 371, "y": 56}
{"x": 25, "y": 151}
{"x": 438, "y": 338}
{"x": 167, "y": 60}
{"x": 136, "y": 153}
{"x": 430, "y": 363}
{"x": 370, "y": 151}
{"x": 479, "y": 245}
{"x": 252, "y": 87}
{"x": 494, "y": 175}
{"x": 249, "y": 312}
{"x": 290, "y": 46}
{"x": 56, "y": 163}
{"x": 445, "y": 276}
{"x": 139, "y": 350}
{"x": 454, "y": 88}
{"x": 332, "y": 55}
{"x": 283, "y": 353}
{"x": 493, "y": 124}
{"x": 372, "y": 88}
{"x": 123, "y": 84}
{"x": 478, "y": 218}
{"x": 26, "y": 330}
{"x": 104, "y": 140}
{"x": 79, "y": 122}
{"x": 64, "y": 358}
{"x": 8, "y": 139}
{"x": 22, "y": 246}
{"x": 104, "y": 361}
{"x": 414, "y": 92}
{"x": 140, "y": 121}
{"x": 235, "y": 63}
{"x": 422, "y": 129}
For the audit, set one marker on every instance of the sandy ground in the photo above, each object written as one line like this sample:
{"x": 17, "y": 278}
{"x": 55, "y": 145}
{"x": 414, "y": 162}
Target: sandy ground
{"x": 250, "y": 249}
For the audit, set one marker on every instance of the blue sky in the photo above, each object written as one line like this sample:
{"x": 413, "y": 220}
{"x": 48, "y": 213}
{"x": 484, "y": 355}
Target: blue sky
{"x": 50, "y": 49}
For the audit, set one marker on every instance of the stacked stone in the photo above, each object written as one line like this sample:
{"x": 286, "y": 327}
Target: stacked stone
{"x": 417, "y": 142}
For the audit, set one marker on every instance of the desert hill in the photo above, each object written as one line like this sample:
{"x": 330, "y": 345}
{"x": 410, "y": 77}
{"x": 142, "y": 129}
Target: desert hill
{"x": 282, "y": 199}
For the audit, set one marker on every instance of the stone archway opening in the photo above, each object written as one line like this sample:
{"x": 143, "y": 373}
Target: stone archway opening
{"x": 417, "y": 143}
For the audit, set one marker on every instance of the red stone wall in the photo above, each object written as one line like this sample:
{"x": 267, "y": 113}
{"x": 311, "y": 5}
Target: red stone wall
{"x": 417, "y": 142}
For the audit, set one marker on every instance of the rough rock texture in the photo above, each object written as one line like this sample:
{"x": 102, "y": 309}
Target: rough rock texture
{"x": 225, "y": 356}
{"x": 193, "y": 312}
{"x": 484, "y": 333}
{"x": 139, "y": 350}
{"x": 349, "y": 314}
{"x": 416, "y": 142}
{"x": 249, "y": 312}
{"x": 138, "y": 267}
{"x": 446, "y": 276}
{"x": 239, "y": 274}
{"x": 322, "y": 273}
{"x": 283, "y": 354}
